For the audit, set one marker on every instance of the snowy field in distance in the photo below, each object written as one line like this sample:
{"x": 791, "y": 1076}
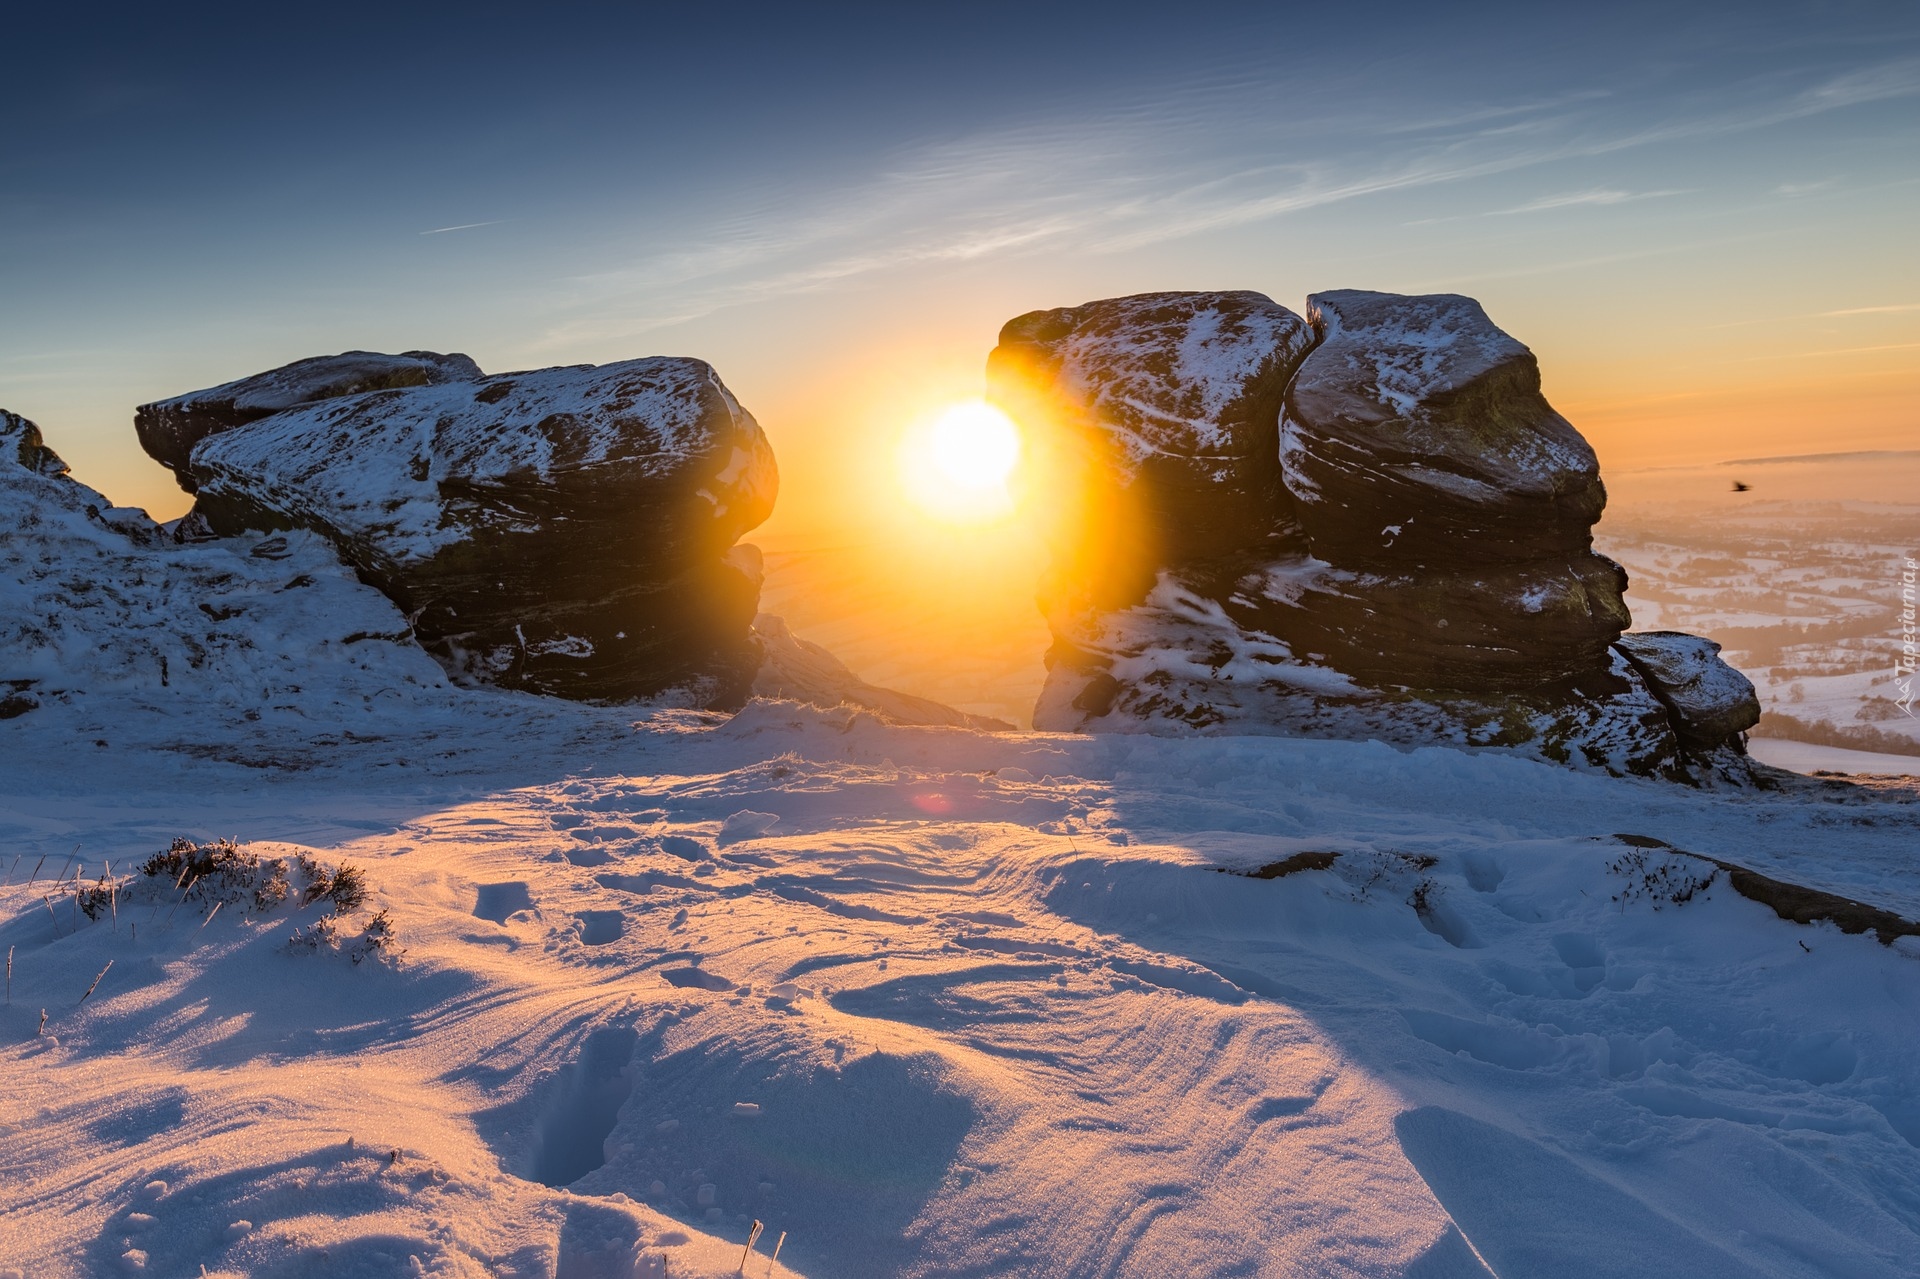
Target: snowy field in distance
{"x": 1806, "y": 757}
{"x": 1799, "y": 577}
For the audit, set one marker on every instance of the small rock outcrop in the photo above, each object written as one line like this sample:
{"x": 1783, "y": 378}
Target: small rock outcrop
{"x": 567, "y": 531}
{"x": 169, "y": 429}
{"x": 1422, "y": 571}
{"x": 1711, "y": 702}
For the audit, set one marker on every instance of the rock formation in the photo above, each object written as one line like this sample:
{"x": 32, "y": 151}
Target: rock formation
{"x": 111, "y": 617}
{"x": 1711, "y": 702}
{"x": 1416, "y": 434}
{"x": 566, "y": 531}
{"x": 1422, "y": 571}
{"x": 1167, "y": 412}
{"x": 169, "y": 429}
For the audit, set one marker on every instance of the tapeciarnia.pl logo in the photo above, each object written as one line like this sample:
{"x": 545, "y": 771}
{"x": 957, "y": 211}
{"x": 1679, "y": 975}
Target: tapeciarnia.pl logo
{"x": 1903, "y": 665}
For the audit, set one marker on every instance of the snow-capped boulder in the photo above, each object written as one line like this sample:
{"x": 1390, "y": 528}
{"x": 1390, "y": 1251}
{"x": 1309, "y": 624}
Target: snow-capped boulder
{"x": 22, "y": 450}
{"x": 1710, "y": 700}
{"x": 1163, "y": 411}
{"x": 168, "y": 429}
{"x": 566, "y": 531}
{"x": 1423, "y": 572}
{"x": 1416, "y": 433}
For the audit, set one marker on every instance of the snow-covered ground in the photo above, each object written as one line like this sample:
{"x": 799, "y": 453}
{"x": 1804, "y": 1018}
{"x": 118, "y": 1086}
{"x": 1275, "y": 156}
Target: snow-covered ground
{"x": 923, "y": 1001}
{"x": 940, "y": 1002}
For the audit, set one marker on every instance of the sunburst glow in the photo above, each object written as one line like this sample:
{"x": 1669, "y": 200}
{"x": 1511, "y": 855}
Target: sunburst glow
{"x": 956, "y": 465}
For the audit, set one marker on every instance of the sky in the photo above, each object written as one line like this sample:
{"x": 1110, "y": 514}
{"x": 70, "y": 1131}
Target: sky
{"x": 1701, "y": 217}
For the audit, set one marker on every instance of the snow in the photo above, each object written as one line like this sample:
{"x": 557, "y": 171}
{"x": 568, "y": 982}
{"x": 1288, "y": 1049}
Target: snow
{"x": 921, "y": 1000}
{"x": 991, "y": 1002}
{"x": 1408, "y": 353}
{"x": 1806, "y": 757}
{"x": 309, "y": 379}
{"x": 379, "y": 466}
{"x": 1221, "y": 345}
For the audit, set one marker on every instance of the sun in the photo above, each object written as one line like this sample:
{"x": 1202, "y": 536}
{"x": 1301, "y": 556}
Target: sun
{"x": 955, "y": 466}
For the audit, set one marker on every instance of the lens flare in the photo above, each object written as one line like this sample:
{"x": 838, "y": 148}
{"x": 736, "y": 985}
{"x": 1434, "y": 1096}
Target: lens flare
{"x": 956, "y": 466}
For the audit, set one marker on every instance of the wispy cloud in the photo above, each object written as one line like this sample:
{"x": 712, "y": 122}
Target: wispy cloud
{"x": 1131, "y": 175}
{"x": 466, "y": 226}
{"x": 1547, "y": 203}
{"x": 1857, "y": 350}
{"x": 1585, "y": 263}
{"x": 1486, "y": 114}
{"x": 1896, "y": 309}
{"x": 1550, "y": 203}
{"x": 1896, "y": 79}
{"x": 1874, "y": 310}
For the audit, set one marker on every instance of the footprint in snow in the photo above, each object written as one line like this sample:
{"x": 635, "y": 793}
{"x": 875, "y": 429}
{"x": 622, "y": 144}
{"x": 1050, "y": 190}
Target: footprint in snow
{"x": 601, "y": 927}
{"x": 499, "y": 902}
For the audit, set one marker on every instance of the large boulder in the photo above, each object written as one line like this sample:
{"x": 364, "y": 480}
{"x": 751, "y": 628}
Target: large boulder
{"x": 264, "y": 649}
{"x": 1416, "y": 433}
{"x": 1423, "y": 572}
{"x": 567, "y": 531}
{"x": 1163, "y": 415}
{"x": 169, "y": 429}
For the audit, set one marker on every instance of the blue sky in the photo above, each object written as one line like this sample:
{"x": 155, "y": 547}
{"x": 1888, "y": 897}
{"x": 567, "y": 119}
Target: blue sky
{"x": 1700, "y": 219}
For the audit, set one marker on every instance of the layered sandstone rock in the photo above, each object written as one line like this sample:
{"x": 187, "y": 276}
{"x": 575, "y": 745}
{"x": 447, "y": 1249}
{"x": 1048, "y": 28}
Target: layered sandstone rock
{"x": 1166, "y": 408}
{"x": 1710, "y": 700}
{"x": 1424, "y": 572}
{"x": 567, "y": 531}
{"x": 1416, "y": 434}
{"x": 229, "y": 649}
{"x": 279, "y": 648}
{"x": 169, "y": 429}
